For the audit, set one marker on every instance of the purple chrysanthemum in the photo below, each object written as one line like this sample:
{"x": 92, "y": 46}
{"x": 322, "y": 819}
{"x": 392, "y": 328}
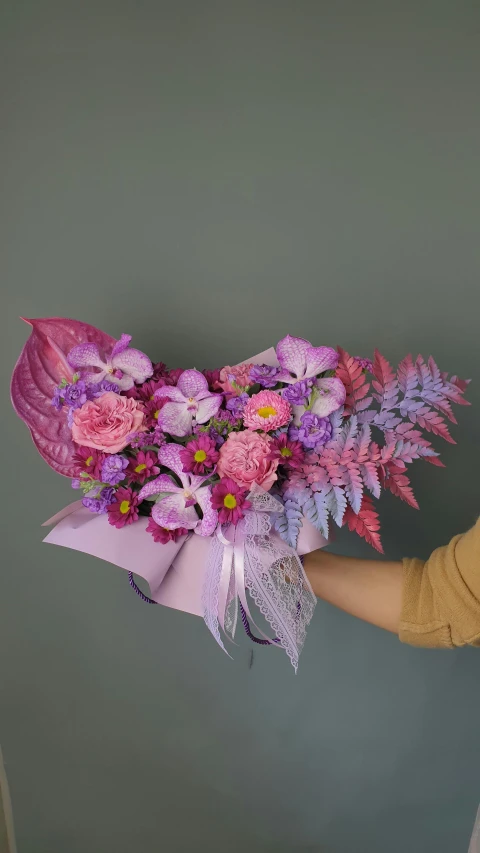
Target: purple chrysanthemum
{"x": 199, "y": 456}
{"x": 162, "y": 535}
{"x": 113, "y": 469}
{"x": 298, "y": 393}
{"x": 143, "y": 466}
{"x": 230, "y": 500}
{"x": 264, "y": 375}
{"x": 313, "y": 431}
{"x": 124, "y": 509}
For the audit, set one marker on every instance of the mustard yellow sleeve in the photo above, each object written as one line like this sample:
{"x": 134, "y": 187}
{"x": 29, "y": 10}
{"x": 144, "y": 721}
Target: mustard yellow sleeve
{"x": 441, "y": 598}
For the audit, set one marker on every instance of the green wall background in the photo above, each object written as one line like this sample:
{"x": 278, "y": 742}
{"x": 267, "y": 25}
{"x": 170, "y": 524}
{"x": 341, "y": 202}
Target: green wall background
{"x": 208, "y": 176}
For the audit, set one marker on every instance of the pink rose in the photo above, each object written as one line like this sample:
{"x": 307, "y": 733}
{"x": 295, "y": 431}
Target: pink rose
{"x": 240, "y": 375}
{"x": 107, "y": 422}
{"x": 245, "y": 458}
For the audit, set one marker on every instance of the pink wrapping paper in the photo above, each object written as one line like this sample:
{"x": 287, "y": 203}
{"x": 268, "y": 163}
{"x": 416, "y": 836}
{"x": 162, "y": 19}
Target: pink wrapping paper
{"x": 174, "y": 572}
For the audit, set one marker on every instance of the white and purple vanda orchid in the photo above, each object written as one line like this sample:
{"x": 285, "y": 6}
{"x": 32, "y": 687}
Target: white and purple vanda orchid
{"x": 300, "y": 361}
{"x": 123, "y": 366}
{"x": 176, "y": 505}
{"x": 189, "y": 401}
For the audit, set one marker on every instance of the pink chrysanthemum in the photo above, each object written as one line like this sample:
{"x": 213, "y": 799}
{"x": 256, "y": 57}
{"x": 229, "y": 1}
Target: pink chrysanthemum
{"x": 287, "y": 452}
{"x": 162, "y": 535}
{"x": 267, "y": 411}
{"x": 143, "y": 466}
{"x": 199, "y": 456}
{"x": 124, "y": 509}
{"x": 88, "y": 460}
{"x": 230, "y": 501}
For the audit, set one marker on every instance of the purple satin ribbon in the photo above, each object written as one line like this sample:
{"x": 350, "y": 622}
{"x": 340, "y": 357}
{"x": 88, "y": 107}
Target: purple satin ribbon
{"x": 243, "y": 615}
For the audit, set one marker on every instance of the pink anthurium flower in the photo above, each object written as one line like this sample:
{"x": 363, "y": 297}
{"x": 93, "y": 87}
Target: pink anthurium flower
{"x": 299, "y": 360}
{"x": 177, "y": 506}
{"x": 189, "y": 401}
{"x": 124, "y": 366}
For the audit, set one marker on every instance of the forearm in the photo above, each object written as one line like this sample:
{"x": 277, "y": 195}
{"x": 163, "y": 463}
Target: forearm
{"x": 368, "y": 589}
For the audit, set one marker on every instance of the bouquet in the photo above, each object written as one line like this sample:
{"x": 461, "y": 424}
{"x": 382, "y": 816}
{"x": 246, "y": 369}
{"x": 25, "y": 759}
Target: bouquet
{"x": 212, "y": 484}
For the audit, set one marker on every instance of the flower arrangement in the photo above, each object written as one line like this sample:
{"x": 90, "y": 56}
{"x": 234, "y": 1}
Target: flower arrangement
{"x": 255, "y": 460}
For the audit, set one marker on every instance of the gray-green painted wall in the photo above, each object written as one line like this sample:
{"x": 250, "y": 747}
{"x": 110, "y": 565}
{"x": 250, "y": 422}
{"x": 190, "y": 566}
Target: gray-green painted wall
{"x": 208, "y": 176}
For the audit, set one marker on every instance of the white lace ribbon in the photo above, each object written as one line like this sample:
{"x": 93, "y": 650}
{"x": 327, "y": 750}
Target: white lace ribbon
{"x": 251, "y": 556}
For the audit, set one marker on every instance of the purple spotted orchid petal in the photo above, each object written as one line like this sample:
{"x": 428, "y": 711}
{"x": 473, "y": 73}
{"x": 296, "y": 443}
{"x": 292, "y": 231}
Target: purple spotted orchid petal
{"x": 161, "y": 484}
{"x": 124, "y": 366}
{"x": 176, "y": 419}
{"x": 208, "y": 408}
{"x": 210, "y": 516}
{"x": 300, "y": 360}
{"x": 192, "y": 383}
{"x": 134, "y": 363}
{"x": 121, "y": 345}
{"x": 331, "y": 395}
{"x": 171, "y": 512}
{"x": 169, "y": 456}
{"x": 174, "y": 394}
{"x": 86, "y": 355}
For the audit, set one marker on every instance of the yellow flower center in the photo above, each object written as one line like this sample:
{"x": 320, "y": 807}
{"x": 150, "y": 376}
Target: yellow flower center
{"x": 140, "y": 467}
{"x": 151, "y": 397}
{"x": 89, "y": 461}
{"x": 266, "y": 411}
{"x": 156, "y": 414}
{"x": 230, "y": 501}
{"x": 285, "y": 451}
{"x": 200, "y": 456}
{"x": 124, "y": 507}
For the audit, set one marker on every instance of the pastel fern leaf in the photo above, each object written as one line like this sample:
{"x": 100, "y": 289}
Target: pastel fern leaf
{"x": 357, "y": 386}
{"x": 366, "y": 523}
{"x": 288, "y": 524}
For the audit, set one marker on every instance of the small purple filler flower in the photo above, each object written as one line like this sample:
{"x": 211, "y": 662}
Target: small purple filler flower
{"x": 264, "y": 375}
{"x": 312, "y": 432}
{"x": 113, "y": 468}
{"x": 298, "y": 393}
{"x": 236, "y": 405}
{"x": 75, "y": 395}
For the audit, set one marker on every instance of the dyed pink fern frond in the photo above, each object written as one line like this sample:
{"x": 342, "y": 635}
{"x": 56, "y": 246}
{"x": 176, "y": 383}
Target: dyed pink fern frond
{"x": 366, "y": 523}
{"x": 396, "y": 481}
{"x": 385, "y": 383}
{"x": 357, "y": 386}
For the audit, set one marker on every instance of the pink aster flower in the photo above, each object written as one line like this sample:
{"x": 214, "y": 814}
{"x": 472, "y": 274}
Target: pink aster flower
{"x": 200, "y": 455}
{"x": 245, "y": 458}
{"x": 142, "y": 467}
{"x": 230, "y": 500}
{"x": 189, "y": 401}
{"x": 123, "y": 367}
{"x": 299, "y": 360}
{"x": 124, "y": 509}
{"x": 287, "y": 452}
{"x": 175, "y": 506}
{"x": 234, "y": 380}
{"x": 89, "y": 460}
{"x": 162, "y": 535}
{"x": 266, "y": 411}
